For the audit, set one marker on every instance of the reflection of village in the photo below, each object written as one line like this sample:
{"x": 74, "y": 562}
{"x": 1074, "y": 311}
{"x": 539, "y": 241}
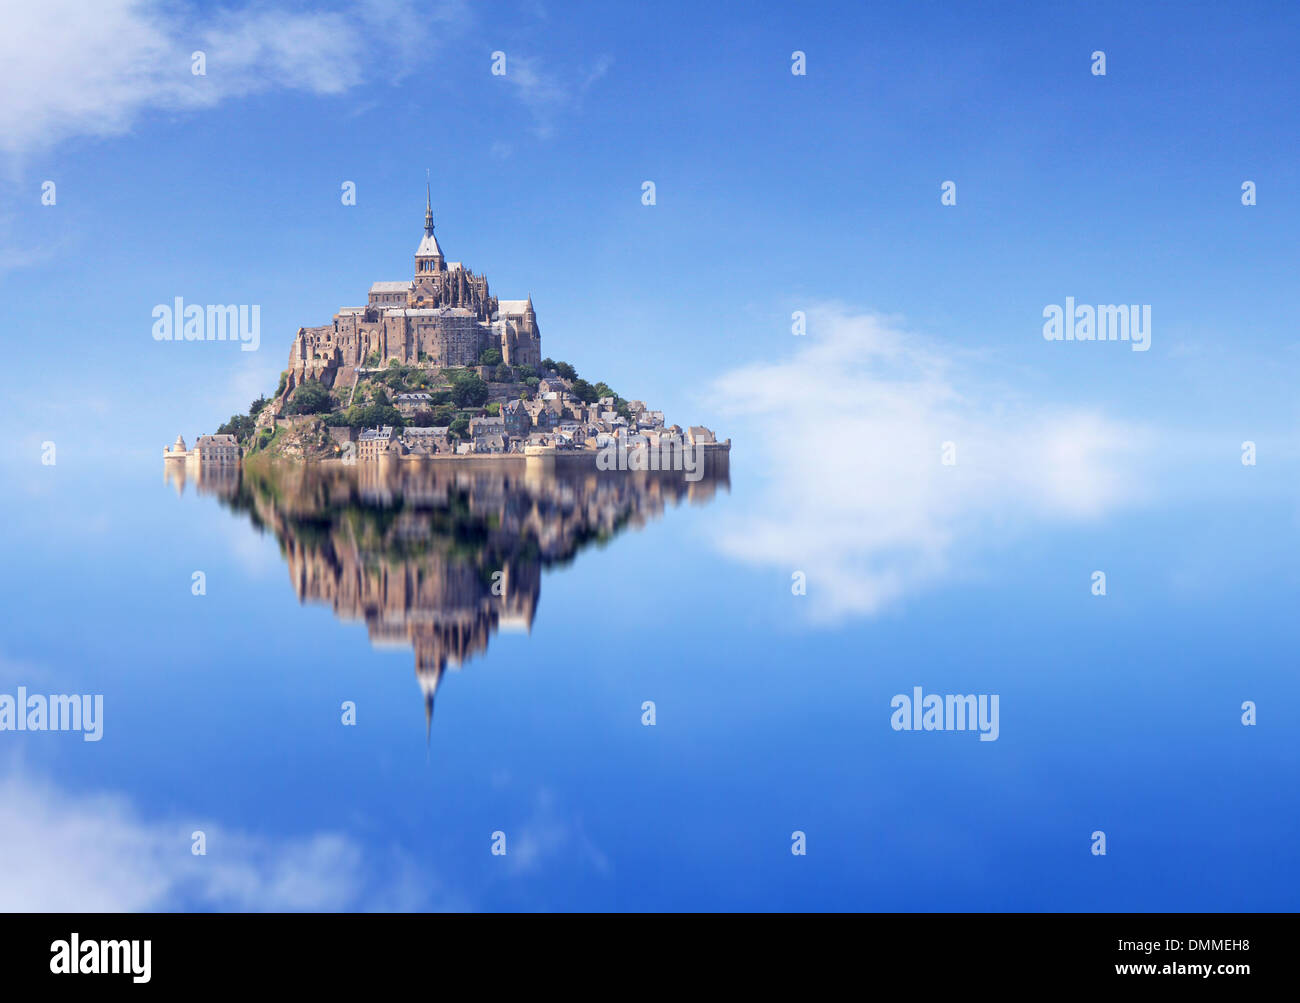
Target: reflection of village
{"x": 436, "y": 558}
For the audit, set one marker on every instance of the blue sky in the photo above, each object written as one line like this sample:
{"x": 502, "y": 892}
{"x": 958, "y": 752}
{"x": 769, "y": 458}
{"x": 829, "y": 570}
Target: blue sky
{"x": 775, "y": 192}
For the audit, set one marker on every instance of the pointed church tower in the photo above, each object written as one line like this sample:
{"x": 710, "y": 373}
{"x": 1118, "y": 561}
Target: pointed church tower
{"x": 530, "y": 323}
{"x": 428, "y": 256}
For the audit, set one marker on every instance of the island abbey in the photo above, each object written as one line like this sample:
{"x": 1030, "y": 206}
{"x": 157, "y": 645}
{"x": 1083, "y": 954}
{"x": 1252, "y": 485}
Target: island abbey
{"x": 442, "y": 317}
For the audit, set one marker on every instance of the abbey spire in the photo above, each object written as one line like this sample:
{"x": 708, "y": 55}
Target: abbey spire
{"x": 428, "y": 256}
{"x": 428, "y": 209}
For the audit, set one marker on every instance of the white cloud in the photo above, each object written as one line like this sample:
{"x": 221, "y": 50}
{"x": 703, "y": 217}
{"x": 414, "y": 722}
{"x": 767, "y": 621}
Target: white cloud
{"x": 852, "y": 426}
{"x": 548, "y": 834}
{"x": 70, "y": 68}
{"x": 545, "y": 93}
{"x": 92, "y": 854}
{"x": 61, "y": 852}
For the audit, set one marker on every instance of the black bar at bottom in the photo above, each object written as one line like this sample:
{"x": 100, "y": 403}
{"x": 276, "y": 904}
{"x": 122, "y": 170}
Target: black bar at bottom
{"x": 335, "y": 952}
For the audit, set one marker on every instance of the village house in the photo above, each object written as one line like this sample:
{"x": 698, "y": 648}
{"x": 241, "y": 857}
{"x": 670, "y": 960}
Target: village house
{"x": 660, "y": 438}
{"x": 542, "y": 417}
{"x": 515, "y": 416}
{"x": 490, "y": 425}
{"x": 430, "y": 438}
{"x": 376, "y": 442}
{"x": 410, "y": 402}
{"x": 490, "y": 442}
{"x": 218, "y": 450}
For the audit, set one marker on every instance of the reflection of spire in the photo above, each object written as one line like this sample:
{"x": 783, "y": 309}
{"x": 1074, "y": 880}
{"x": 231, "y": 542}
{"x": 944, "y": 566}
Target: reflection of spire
{"x": 429, "y": 679}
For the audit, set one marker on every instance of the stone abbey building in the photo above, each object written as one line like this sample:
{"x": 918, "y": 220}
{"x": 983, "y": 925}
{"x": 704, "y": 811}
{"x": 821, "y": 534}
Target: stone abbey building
{"x": 443, "y": 316}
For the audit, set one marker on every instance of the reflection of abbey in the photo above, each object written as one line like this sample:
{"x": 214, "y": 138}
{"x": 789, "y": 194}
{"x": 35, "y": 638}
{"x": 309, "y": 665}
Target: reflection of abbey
{"x": 444, "y": 316}
{"x": 436, "y": 559}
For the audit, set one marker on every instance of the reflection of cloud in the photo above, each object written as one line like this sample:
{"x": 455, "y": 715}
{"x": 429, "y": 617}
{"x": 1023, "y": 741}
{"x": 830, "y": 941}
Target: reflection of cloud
{"x": 546, "y": 835}
{"x": 255, "y": 553}
{"x": 854, "y": 424}
{"x": 60, "y": 852}
{"x": 70, "y": 68}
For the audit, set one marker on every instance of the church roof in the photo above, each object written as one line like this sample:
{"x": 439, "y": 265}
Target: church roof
{"x": 432, "y": 311}
{"x": 428, "y": 247}
{"x": 390, "y": 287}
{"x": 514, "y": 308}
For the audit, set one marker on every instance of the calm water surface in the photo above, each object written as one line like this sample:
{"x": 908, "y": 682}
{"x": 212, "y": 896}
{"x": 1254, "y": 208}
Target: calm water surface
{"x": 499, "y": 636}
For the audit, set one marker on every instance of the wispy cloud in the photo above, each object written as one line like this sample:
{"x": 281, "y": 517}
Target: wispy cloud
{"x": 69, "y": 68}
{"x": 548, "y": 93}
{"x": 94, "y": 853}
{"x": 853, "y": 425}
{"x": 548, "y": 834}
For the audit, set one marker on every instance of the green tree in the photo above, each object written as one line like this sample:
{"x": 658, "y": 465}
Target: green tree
{"x": 371, "y": 415}
{"x": 494, "y": 408}
{"x": 240, "y": 426}
{"x": 489, "y": 357}
{"x": 566, "y": 371}
{"x": 548, "y": 364}
{"x": 255, "y": 408}
{"x": 309, "y": 398}
{"x": 604, "y": 390}
{"x": 470, "y": 392}
{"x": 460, "y": 427}
{"x": 584, "y": 391}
